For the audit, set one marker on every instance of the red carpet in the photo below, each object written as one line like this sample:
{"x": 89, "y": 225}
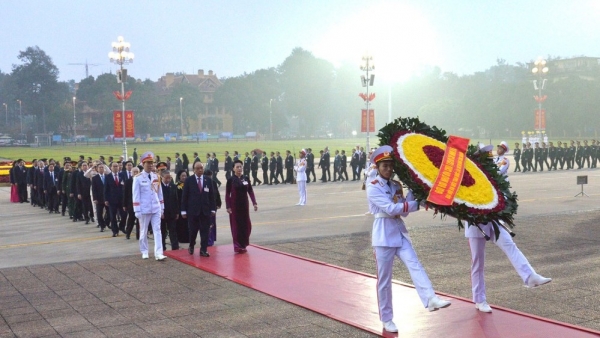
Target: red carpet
{"x": 350, "y": 297}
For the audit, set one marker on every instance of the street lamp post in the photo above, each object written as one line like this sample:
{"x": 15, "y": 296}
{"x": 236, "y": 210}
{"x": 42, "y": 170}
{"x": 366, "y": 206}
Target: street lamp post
{"x": 21, "y": 116}
{"x": 540, "y": 70}
{"x": 74, "y": 121}
{"x": 366, "y": 82}
{"x": 6, "y": 107}
{"x": 121, "y": 55}
{"x": 271, "y": 118}
{"x": 181, "y": 115}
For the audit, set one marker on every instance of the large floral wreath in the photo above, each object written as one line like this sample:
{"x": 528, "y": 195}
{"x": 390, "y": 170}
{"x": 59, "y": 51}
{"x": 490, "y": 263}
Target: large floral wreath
{"x": 484, "y": 194}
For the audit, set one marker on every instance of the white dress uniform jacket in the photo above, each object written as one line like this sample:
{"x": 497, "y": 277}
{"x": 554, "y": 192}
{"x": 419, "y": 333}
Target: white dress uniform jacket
{"x": 147, "y": 194}
{"x": 388, "y": 227}
{"x": 300, "y": 169}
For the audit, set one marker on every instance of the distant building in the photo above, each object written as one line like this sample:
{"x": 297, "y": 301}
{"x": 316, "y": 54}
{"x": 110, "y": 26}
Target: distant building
{"x": 212, "y": 119}
{"x": 585, "y": 67}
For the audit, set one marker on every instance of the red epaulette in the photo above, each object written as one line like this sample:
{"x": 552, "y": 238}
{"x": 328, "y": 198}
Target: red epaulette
{"x": 374, "y": 182}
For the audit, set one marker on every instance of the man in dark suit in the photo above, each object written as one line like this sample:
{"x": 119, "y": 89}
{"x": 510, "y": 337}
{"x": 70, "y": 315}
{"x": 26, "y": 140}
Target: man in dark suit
{"x": 310, "y": 165}
{"x": 51, "y": 189}
{"x": 98, "y": 183}
{"x": 196, "y": 159}
{"x": 228, "y": 166}
{"x": 83, "y": 193}
{"x": 264, "y": 162}
{"x": 197, "y": 205}
{"x": 171, "y": 213}
{"x": 30, "y": 183}
{"x": 39, "y": 184}
{"x": 289, "y": 167}
{"x": 343, "y": 161}
{"x": 327, "y": 163}
{"x": 247, "y": 164}
{"x": 273, "y": 169}
{"x": 178, "y": 163}
{"x": 215, "y": 168}
{"x": 280, "y": 168}
{"x": 354, "y": 164}
{"x": 128, "y": 205}
{"x": 113, "y": 195}
{"x": 20, "y": 173}
{"x": 254, "y": 168}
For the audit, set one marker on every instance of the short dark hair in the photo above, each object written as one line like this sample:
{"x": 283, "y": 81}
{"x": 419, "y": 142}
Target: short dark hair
{"x": 238, "y": 161}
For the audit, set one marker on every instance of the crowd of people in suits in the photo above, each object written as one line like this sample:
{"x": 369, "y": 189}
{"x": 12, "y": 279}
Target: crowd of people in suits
{"x": 576, "y": 155}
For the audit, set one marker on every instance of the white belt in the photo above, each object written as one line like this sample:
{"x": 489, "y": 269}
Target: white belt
{"x": 383, "y": 215}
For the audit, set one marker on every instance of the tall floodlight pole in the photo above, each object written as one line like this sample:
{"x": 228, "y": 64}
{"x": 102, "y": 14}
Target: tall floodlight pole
{"x": 74, "y": 121}
{"x": 271, "y": 118}
{"x": 181, "y": 115}
{"x": 367, "y": 80}
{"x": 21, "y": 116}
{"x": 121, "y": 55}
{"x": 540, "y": 70}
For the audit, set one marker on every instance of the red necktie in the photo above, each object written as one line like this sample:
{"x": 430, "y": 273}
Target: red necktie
{"x": 117, "y": 180}
{"x": 200, "y": 184}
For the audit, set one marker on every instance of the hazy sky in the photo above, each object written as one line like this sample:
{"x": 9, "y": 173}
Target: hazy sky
{"x": 233, "y": 37}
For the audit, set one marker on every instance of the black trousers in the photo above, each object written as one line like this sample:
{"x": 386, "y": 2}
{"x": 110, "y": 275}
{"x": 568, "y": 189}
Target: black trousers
{"x": 214, "y": 177}
{"x": 199, "y": 223}
{"x": 343, "y": 173}
{"x": 255, "y": 177}
{"x": 355, "y": 175}
{"x": 310, "y": 170}
{"x": 265, "y": 176}
{"x": 86, "y": 207}
{"x": 117, "y": 208}
{"x": 290, "y": 175}
{"x": 52, "y": 200}
{"x": 273, "y": 178}
{"x": 325, "y": 174}
{"x": 22, "y": 189}
{"x": 64, "y": 199}
{"x": 227, "y": 174}
{"x": 100, "y": 212}
{"x": 169, "y": 224}
{"x": 131, "y": 220}
{"x": 517, "y": 162}
{"x": 279, "y": 173}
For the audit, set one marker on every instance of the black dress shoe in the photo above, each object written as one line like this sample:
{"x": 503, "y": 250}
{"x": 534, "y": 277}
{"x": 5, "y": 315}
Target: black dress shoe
{"x": 127, "y": 237}
{"x": 93, "y": 219}
{"x": 102, "y": 230}
{"x": 191, "y": 250}
{"x": 204, "y": 254}
{"x": 74, "y": 219}
{"x": 114, "y": 235}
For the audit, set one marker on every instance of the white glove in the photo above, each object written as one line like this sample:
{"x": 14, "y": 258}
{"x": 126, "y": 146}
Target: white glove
{"x": 138, "y": 215}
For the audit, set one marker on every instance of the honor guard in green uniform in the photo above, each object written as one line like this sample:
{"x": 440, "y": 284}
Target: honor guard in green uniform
{"x": 579, "y": 155}
{"x": 545, "y": 154}
{"x": 524, "y": 156}
{"x": 559, "y": 156}
{"x": 586, "y": 154}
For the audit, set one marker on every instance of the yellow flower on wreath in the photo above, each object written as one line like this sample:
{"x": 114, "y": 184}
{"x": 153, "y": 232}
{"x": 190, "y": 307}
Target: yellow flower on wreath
{"x": 481, "y": 195}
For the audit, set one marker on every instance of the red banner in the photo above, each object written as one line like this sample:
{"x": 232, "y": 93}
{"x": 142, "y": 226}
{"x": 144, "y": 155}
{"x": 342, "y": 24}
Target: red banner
{"x": 540, "y": 119}
{"x": 451, "y": 172}
{"x": 363, "y": 125}
{"x": 118, "y": 123}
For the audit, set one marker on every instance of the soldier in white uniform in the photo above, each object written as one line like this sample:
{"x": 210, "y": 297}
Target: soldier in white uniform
{"x": 390, "y": 238}
{"x": 504, "y": 242}
{"x": 300, "y": 169}
{"x": 148, "y": 205}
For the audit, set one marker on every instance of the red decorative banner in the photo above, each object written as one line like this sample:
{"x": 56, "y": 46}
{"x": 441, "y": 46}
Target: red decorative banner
{"x": 129, "y": 123}
{"x": 118, "y": 124}
{"x": 451, "y": 172}
{"x": 540, "y": 119}
{"x": 363, "y": 125}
